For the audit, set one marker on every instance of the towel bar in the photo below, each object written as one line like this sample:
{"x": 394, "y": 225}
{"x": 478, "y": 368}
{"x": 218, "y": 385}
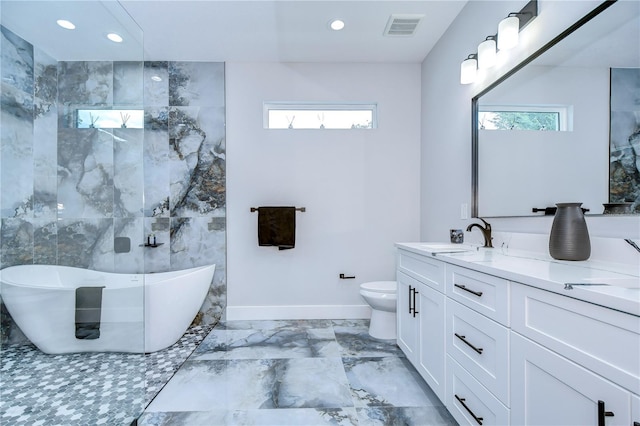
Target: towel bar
{"x": 300, "y": 209}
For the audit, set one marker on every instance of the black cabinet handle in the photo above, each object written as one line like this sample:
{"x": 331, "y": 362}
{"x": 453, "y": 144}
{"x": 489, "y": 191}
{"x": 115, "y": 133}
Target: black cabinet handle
{"x": 414, "y": 303}
{"x": 462, "y": 287}
{"x": 602, "y": 413}
{"x": 409, "y": 299}
{"x": 636, "y": 423}
{"x": 477, "y": 419}
{"x": 463, "y": 338}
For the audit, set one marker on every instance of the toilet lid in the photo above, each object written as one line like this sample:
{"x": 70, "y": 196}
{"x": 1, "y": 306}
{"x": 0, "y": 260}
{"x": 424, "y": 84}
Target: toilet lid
{"x": 380, "y": 286}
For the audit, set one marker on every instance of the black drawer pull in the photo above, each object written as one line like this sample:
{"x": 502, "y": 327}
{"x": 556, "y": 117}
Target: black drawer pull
{"x": 602, "y": 413}
{"x": 462, "y": 287}
{"x": 414, "y": 303}
{"x": 409, "y": 299}
{"x": 636, "y": 423}
{"x": 477, "y": 419}
{"x": 463, "y": 338}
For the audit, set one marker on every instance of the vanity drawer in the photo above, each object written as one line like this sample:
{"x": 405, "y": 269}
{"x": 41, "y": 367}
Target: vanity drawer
{"x": 603, "y": 340}
{"x": 469, "y": 402}
{"x": 423, "y": 269}
{"x": 481, "y": 346}
{"x": 483, "y": 293}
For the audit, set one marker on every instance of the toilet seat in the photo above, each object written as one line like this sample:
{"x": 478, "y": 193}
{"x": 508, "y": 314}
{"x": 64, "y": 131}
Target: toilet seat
{"x": 385, "y": 287}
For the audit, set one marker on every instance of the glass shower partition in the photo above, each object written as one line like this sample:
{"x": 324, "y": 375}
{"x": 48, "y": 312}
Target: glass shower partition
{"x": 72, "y": 230}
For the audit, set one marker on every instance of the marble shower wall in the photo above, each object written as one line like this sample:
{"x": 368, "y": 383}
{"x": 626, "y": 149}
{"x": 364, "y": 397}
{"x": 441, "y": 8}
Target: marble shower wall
{"x": 66, "y": 193}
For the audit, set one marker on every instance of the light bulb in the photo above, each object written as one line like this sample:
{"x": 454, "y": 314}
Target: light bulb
{"x": 508, "y": 33}
{"x": 487, "y": 54}
{"x": 468, "y": 70}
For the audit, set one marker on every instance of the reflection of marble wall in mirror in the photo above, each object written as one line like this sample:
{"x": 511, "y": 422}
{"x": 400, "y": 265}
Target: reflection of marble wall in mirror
{"x": 520, "y": 170}
{"x": 624, "y": 180}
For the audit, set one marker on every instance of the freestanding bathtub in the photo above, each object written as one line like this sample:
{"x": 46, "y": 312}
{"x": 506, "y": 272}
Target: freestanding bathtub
{"x": 139, "y": 312}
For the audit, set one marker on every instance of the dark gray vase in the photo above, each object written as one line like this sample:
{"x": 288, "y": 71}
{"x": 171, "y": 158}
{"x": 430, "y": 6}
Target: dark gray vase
{"x": 569, "y": 239}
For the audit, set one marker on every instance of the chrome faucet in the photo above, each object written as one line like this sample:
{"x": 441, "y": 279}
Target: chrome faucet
{"x": 486, "y": 231}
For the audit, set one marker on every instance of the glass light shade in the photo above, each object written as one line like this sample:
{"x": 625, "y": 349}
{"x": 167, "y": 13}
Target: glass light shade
{"x": 487, "y": 54}
{"x": 468, "y": 71}
{"x": 508, "y": 33}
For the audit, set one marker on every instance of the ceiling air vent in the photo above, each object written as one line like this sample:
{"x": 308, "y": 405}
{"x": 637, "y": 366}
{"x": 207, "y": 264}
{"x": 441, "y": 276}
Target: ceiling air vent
{"x": 402, "y": 25}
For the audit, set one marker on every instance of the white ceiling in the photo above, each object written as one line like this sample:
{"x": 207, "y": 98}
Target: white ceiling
{"x": 239, "y": 30}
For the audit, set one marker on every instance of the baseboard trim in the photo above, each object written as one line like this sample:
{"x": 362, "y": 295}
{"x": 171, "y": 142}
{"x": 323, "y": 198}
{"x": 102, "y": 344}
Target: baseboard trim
{"x": 236, "y": 313}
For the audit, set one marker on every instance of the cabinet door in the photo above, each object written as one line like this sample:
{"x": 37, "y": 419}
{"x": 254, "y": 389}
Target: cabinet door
{"x": 431, "y": 354}
{"x": 548, "y": 389}
{"x": 407, "y": 324}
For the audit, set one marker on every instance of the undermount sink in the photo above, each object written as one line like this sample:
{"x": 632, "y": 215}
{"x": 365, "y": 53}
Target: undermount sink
{"x": 445, "y": 248}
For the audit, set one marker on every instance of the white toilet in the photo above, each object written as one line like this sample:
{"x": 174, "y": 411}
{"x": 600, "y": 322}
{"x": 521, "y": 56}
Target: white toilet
{"x": 381, "y": 296}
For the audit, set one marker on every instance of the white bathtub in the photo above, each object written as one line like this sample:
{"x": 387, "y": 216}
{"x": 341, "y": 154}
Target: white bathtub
{"x": 140, "y": 312}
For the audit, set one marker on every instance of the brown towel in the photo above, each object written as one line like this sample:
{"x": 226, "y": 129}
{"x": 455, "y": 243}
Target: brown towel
{"x": 277, "y": 227}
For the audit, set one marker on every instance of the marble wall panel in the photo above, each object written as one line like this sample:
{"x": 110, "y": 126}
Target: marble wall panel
{"x": 128, "y": 176}
{"x": 45, "y": 241}
{"x": 156, "y": 162}
{"x": 158, "y": 259}
{"x": 201, "y": 241}
{"x": 16, "y": 241}
{"x": 127, "y": 84}
{"x": 197, "y": 161}
{"x": 156, "y": 83}
{"x": 85, "y": 173}
{"x": 133, "y": 261}
{"x": 85, "y": 83}
{"x": 16, "y": 139}
{"x": 17, "y": 61}
{"x": 196, "y": 84}
{"x": 86, "y": 243}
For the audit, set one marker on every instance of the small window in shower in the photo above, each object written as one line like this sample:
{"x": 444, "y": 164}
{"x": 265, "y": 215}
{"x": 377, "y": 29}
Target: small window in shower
{"x": 297, "y": 115}
{"x": 109, "y": 118}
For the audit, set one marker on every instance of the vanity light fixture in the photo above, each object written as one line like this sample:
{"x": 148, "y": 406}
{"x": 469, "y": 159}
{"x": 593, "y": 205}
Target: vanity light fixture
{"x": 506, "y": 38}
{"x": 116, "y": 38}
{"x": 336, "y": 24}
{"x": 66, "y": 24}
{"x": 487, "y": 53}
{"x": 508, "y": 32}
{"x": 469, "y": 69}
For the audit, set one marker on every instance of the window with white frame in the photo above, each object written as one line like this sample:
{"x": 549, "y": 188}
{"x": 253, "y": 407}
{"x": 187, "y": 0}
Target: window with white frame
{"x": 525, "y": 117}
{"x": 297, "y": 115}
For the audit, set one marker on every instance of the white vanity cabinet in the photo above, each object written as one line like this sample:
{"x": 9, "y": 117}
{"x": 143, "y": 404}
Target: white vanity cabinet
{"x": 420, "y": 317}
{"x": 548, "y": 389}
{"x": 502, "y": 340}
{"x": 477, "y": 338}
{"x": 572, "y": 362}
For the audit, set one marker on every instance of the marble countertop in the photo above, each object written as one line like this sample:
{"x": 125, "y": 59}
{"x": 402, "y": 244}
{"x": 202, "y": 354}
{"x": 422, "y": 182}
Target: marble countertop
{"x": 611, "y": 285}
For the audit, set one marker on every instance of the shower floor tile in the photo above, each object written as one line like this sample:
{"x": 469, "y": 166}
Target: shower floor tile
{"x": 316, "y": 372}
{"x": 108, "y": 388}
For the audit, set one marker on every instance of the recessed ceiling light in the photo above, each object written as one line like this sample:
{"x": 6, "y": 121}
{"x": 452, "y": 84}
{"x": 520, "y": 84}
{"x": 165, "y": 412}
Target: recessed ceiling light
{"x": 156, "y": 78}
{"x": 336, "y": 24}
{"x": 66, "y": 24}
{"x": 114, "y": 37}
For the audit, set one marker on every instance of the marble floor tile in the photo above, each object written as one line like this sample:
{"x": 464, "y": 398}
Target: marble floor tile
{"x": 302, "y": 373}
{"x": 387, "y": 381}
{"x": 355, "y": 341}
{"x": 268, "y": 417}
{"x": 406, "y": 416}
{"x": 256, "y": 384}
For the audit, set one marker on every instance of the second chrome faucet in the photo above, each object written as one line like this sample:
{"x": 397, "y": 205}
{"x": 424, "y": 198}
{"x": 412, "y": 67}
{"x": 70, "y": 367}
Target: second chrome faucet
{"x": 486, "y": 231}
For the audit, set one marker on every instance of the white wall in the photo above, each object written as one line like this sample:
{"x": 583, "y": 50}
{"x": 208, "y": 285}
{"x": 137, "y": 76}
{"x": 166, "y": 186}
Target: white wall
{"x": 446, "y": 117}
{"x": 360, "y": 188}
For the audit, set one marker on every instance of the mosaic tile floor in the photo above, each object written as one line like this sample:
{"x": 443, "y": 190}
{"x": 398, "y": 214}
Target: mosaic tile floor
{"x": 37, "y": 389}
{"x": 317, "y": 372}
